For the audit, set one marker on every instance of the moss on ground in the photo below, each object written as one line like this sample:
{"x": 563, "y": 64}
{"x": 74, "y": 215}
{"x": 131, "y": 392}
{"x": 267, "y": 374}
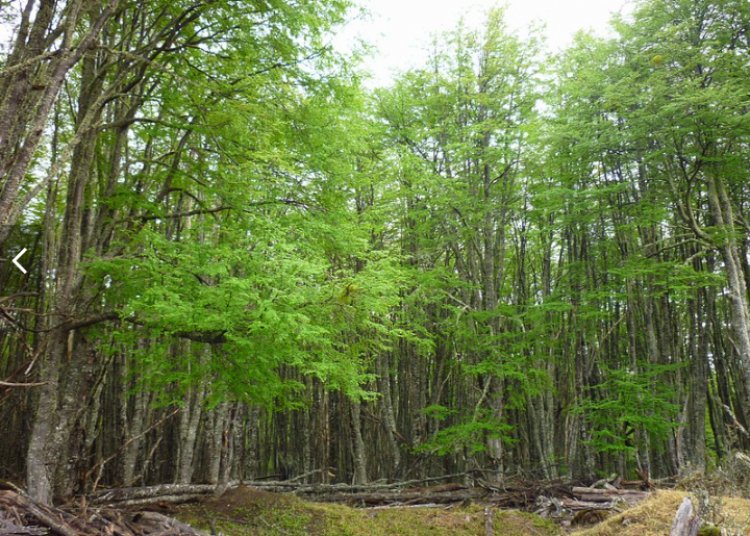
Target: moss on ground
{"x": 245, "y": 512}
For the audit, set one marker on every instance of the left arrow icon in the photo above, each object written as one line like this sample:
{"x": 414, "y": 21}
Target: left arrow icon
{"x": 18, "y": 264}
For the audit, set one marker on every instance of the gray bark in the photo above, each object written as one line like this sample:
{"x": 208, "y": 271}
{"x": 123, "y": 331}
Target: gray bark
{"x": 359, "y": 453}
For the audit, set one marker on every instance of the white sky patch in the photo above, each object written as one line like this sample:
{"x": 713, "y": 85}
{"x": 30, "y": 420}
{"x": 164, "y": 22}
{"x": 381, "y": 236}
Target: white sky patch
{"x": 400, "y": 30}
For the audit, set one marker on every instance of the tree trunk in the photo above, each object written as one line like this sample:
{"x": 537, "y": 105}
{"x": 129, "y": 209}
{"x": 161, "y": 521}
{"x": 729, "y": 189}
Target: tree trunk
{"x": 359, "y": 453}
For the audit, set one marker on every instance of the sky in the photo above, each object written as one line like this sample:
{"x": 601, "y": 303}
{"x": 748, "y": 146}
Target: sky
{"x": 400, "y": 30}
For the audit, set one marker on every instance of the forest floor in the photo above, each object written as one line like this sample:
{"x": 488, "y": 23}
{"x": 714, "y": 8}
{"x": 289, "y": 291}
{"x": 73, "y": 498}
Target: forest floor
{"x": 245, "y": 511}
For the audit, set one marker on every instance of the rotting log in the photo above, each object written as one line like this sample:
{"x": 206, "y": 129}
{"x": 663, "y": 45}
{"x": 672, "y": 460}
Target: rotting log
{"x": 686, "y": 523}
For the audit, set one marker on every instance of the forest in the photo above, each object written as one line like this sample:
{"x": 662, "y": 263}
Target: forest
{"x": 225, "y": 257}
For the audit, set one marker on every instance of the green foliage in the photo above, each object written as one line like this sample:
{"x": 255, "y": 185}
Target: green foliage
{"x": 469, "y": 436}
{"x": 626, "y": 401}
{"x": 438, "y": 412}
{"x": 274, "y": 269}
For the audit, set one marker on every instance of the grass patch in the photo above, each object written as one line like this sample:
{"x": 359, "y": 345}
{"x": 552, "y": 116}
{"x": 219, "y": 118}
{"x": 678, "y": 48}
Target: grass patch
{"x": 654, "y": 516}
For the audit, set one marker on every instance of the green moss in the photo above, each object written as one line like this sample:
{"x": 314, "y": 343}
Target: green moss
{"x": 539, "y": 522}
{"x": 266, "y": 521}
{"x": 709, "y": 530}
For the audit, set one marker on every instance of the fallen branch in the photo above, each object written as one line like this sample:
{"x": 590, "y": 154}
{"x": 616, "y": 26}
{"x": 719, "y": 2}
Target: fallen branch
{"x": 20, "y": 515}
{"x": 13, "y": 384}
{"x": 43, "y": 515}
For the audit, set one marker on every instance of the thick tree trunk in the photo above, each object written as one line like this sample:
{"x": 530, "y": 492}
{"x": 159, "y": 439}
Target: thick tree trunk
{"x": 190, "y": 418}
{"x": 216, "y": 442}
{"x": 59, "y": 401}
{"x": 251, "y": 449}
{"x": 132, "y": 444}
{"x": 359, "y": 453}
{"x": 42, "y": 455}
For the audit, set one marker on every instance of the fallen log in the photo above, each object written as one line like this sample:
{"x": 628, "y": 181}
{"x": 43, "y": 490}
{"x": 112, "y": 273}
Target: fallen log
{"x": 575, "y": 505}
{"x": 586, "y": 504}
{"x": 159, "y": 499}
{"x": 609, "y": 495}
{"x": 292, "y": 485}
{"x": 146, "y": 494}
{"x": 156, "y": 523}
{"x": 403, "y": 497}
